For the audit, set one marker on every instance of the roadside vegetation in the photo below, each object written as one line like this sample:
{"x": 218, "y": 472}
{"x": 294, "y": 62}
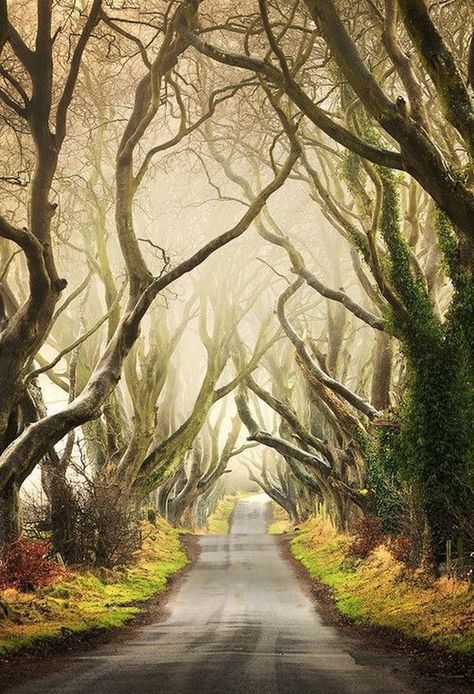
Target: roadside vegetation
{"x": 371, "y": 582}
{"x": 224, "y": 268}
{"x": 219, "y": 522}
{"x": 79, "y": 600}
{"x": 43, "y": 599}
{"x": 279, "y": 521}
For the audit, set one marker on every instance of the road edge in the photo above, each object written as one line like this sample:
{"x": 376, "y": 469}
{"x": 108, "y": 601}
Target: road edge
{"x": 46, "y": 654}
{"x": 425, "y": 661}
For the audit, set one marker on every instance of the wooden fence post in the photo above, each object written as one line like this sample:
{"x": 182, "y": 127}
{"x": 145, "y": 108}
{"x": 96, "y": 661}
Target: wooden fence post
{"x": 460, "y": 550}
{"x": 449, "y": 546}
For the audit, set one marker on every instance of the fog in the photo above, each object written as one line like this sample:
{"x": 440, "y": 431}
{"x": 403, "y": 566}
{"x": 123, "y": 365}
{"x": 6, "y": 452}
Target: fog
{"x": 220, "y": 259}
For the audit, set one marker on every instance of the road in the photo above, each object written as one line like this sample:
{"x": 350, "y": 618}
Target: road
{"x": 240, "y": 623}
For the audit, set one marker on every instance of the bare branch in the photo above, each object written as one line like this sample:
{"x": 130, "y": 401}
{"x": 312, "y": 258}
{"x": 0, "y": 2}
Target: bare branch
{"x": 355, "y": 400}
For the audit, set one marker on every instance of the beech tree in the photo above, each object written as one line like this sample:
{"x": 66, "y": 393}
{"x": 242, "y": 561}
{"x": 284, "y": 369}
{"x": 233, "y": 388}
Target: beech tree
{"x": 24, "y": 331}
{"x": 387, "y": 130}
{"x": 347, "y": 355}
{"x": 279, "y": 486}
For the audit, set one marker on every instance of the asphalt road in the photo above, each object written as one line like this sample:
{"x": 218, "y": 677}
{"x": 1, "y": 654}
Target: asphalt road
{"x": 239, "y": 624}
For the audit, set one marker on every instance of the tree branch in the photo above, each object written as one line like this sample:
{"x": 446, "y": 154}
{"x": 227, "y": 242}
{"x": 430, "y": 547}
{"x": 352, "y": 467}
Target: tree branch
{"x": 302, "y": 100}
{"x": 68, "y": 90}
{"x": 352, "y": 398}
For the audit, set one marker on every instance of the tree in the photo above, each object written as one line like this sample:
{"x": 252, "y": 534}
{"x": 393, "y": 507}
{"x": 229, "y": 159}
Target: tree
{"x": 27, "y": 329}
{"x": 438, "y": 349}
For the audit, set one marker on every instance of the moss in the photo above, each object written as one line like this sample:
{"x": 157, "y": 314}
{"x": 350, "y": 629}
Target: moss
{"x": 85, "y": 601}
{"x": 279, "y": 520}
{"x": 218, "y": 523}
{"x": 379, "y": 590}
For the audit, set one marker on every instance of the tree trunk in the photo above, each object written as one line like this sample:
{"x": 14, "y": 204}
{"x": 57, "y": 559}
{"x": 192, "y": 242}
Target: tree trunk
{"x": 10, "y": 525}
{"x": 382, "y": 357}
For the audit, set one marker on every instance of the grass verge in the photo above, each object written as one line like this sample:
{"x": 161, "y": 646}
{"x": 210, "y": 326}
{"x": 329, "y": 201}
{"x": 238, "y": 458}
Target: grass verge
{"x": 279, "y": 521}
{"x": 218, "y": 523}
{"x": 382, "y": 591}
{"x": 84, "y": 601}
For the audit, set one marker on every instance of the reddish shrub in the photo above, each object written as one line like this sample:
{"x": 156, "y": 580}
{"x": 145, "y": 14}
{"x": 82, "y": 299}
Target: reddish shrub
{"x": 368, "y": 536}
{"x": 399, "y": 547}
{"x": 24, "y": 565}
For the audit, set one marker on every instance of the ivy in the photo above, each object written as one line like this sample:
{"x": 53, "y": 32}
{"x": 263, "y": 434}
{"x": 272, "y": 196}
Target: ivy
{"x": 388, "y": 500}
{"x": 437, "y": 432}
{"x": 433, "y": 451}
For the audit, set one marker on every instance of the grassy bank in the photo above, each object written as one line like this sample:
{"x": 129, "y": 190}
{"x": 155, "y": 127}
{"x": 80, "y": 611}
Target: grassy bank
{"x": 84, "y": 601}
{"x": 383, "y": 591}
{"x": 218, "y": 523}
{"x": 279, "y": 521}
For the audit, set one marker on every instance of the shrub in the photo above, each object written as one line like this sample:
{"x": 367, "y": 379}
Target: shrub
{"x": 399, "y": 547}
{"x": 367, "y": 536}
{"x": 107, "y": 529}
{"x": 25, "y": 565}
{"x": 96, "y": 523}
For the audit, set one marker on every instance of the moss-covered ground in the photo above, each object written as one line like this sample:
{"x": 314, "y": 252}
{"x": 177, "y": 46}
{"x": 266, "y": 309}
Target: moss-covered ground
{"x": 382, "y": 591}
{"x": 83, "y": 601}
{"x": 218, "y": 523}
{"x": 279, "y": 520}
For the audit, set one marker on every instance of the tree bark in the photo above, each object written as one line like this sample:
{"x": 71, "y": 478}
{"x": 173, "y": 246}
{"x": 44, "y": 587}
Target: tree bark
{"x": 10, "y": 526}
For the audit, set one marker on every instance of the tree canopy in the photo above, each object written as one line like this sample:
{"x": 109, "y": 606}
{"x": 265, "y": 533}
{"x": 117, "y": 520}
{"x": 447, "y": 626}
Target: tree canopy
{"x": 238, "y": 240}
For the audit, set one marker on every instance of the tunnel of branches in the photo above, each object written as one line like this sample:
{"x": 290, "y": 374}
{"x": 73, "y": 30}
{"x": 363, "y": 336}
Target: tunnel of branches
{"x": 236, "y": 254}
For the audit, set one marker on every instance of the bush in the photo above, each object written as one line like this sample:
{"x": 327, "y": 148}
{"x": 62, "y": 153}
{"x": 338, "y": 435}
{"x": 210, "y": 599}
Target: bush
{"x": 96, "y": 524}
{"x": 25, "y": 565}
{"x": 399, "y": 547}
{"x": 107, "y": 529}
{"x": 368, "y": 536}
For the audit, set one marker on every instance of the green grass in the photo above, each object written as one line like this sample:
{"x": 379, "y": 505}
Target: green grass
{"x": 279, "y": 520}
{"x": 218, "y": 522}
{"x": 85, "y": 601}
{"x": 379, "y": 590}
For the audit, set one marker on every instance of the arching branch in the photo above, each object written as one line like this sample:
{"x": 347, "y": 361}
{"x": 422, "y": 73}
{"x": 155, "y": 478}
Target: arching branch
{"x": 340, "y": 389}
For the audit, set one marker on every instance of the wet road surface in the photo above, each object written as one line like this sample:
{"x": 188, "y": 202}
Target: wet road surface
{"x": 239, "y": 624}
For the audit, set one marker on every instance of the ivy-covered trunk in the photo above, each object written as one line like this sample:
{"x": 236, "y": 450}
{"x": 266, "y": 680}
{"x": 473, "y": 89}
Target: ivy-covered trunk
{"x": 436, "y": 441}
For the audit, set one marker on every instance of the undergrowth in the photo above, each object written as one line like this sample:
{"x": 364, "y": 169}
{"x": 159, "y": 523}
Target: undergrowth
{"x": 25, "y": 565}
{"x": 82, "y": 601}
{"x": 279, "y": 520}
{"x": 218, "y": 522}
{"x": 381, "y": 590}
